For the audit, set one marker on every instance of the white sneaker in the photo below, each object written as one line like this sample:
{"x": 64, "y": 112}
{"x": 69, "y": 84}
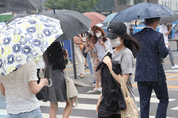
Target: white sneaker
{"x": 174, "y": 67}
{"x": 99, "y": 89}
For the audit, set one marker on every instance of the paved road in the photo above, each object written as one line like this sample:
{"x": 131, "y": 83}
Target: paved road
{"x": 87, "y": 105}
{"x": 87, "y": 101}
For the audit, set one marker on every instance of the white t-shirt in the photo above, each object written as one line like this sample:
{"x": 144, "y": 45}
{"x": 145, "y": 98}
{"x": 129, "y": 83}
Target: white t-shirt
{"x": 163, "y": 30}
{"x": 19, "y": 97}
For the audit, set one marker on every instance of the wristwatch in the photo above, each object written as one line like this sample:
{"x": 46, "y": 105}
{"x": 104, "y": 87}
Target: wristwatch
{"x": 102, "y": 43}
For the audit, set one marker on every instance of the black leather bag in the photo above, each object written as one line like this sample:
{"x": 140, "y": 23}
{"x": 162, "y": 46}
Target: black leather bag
{"x": 84, "y": 53}
{"x": 41, "y": 94}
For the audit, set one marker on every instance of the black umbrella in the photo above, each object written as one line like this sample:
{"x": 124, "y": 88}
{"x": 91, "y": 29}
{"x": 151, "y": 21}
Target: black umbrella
{"x": 19, "y": 5}
{"x": 169, "y": 19}
{"x": 72, "y": 22}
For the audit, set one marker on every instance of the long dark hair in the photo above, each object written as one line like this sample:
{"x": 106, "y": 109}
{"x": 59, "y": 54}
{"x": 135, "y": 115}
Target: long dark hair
{"x": 130, "y": 43}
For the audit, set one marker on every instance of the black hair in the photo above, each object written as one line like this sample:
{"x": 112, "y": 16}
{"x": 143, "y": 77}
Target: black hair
{"x": 130, "y": 43}
{"x": 151, "y": 20}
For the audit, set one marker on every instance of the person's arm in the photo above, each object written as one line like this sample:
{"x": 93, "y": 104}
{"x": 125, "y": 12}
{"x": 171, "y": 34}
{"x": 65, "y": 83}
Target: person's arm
{"x": 108, "y": 62}
{"x": 66, "y": 56}
{"x": 35, "y": 88}
{"x": 32, "y": 79}
{"x": 102, "y": 43}
{"x": 163, "y": 50}
{"x": 106, "y": 45}
{"x": 170, "y": 29}
{"x": 98, "y": 103}
{"x": 78, "y": 42}
{"x": 2, "y": 89}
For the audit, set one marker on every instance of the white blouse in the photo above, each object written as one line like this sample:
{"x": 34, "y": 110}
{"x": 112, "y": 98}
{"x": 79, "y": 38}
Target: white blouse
{"x": 19, "y": 97}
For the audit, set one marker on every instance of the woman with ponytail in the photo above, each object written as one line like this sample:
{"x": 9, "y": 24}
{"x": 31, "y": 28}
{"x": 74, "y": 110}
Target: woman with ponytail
{"x": 123, "y": 57}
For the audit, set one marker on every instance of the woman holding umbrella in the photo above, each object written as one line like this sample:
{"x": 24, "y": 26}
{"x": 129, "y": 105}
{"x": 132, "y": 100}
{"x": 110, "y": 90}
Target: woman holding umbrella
{"x": 55, "y": 59}
{"x": 22, "y": 41}
{"x": 20, "y": 87}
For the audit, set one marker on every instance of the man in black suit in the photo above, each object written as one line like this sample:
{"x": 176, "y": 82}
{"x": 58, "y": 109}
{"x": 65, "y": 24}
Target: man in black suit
{"x": 150, "y": 74}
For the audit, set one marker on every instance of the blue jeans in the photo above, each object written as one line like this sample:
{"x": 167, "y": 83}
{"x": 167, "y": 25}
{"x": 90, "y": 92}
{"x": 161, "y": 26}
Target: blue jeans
{"x": 33, "y": 114}
{"x": 90, "y": 65}
{"x": 145, "y": 90}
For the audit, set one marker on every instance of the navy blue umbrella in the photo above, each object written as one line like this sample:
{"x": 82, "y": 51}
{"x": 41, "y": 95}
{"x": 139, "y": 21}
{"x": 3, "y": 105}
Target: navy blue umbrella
{"x": 143, "y": 11}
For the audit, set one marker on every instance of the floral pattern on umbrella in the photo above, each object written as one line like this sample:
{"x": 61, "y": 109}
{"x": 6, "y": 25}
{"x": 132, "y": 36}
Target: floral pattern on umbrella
{"x": 25, "y": 39}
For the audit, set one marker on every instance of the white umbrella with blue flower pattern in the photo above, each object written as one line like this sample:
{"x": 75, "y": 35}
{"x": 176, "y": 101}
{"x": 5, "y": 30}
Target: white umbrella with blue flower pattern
{"x": 25, "y": 39}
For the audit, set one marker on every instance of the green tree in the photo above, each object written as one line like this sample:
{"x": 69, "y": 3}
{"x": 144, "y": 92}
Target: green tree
{"x": 77, "y": 5}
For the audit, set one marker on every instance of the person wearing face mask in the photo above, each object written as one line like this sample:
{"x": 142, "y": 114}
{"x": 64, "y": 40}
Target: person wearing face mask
{"x": 102, "y": 44}
{"x": 150, "y": 74}
{"x": 123, "y": 57}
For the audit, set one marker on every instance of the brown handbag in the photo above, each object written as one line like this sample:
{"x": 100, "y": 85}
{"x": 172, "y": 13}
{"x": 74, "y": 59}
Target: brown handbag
{"x": 131, "y": 110}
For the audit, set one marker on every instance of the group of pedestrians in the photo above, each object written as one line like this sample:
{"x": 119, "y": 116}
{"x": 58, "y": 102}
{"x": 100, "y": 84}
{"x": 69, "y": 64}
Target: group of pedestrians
{"x": 148, "y": 46}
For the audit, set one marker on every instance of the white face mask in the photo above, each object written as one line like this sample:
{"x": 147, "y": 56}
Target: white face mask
{"x": 98, "y": 35}
{"x": 115, "y": 42}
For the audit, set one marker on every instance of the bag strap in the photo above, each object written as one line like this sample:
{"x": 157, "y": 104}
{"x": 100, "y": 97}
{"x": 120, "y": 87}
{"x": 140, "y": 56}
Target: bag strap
{"x": 75, "y": 98}
{"x": 124, "y": 87}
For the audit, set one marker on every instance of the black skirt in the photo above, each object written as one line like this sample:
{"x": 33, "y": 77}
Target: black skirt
{"x": 57, "y": 91}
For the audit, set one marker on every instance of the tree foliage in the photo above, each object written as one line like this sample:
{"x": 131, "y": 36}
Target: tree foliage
{"x": 76, "y": 5}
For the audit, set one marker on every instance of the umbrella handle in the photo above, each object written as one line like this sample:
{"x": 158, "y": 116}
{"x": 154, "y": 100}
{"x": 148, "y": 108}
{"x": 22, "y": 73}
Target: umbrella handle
{"x": 50, "y": 81}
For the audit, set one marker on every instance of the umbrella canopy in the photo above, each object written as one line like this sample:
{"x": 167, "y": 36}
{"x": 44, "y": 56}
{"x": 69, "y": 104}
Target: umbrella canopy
{"x": 16, "y": 16}
{"x": 143, "y": 11}
{"x": 110, "y": 17}
{"x": 25, "y": 39}
{"x": 17, "y": 5}
{"x": 169, "y": 19}
{"x": 72, "y": 22}
{"x": 95, "y": 17}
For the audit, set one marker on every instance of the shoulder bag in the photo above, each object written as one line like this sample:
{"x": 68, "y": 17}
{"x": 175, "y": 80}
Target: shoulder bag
{"x": 71, "y": 90}
{"x": 131, "y": 110}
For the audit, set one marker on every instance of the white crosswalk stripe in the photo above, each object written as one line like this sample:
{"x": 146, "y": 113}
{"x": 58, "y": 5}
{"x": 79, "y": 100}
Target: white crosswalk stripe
{"x": 3, "y": 112}
{"x": 175, "y": 108}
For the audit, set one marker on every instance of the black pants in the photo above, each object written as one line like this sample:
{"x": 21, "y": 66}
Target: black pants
{"x": 112, "y": 116}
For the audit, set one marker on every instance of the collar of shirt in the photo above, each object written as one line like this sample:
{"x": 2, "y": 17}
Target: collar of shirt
{"x": 148, "y": 27}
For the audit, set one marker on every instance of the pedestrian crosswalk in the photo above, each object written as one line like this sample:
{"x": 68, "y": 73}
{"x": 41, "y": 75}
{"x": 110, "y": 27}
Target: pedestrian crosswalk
{"x": 84, "y": 106}
{"x": 87, "y": 106}
{"x": 92, "y": 107}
